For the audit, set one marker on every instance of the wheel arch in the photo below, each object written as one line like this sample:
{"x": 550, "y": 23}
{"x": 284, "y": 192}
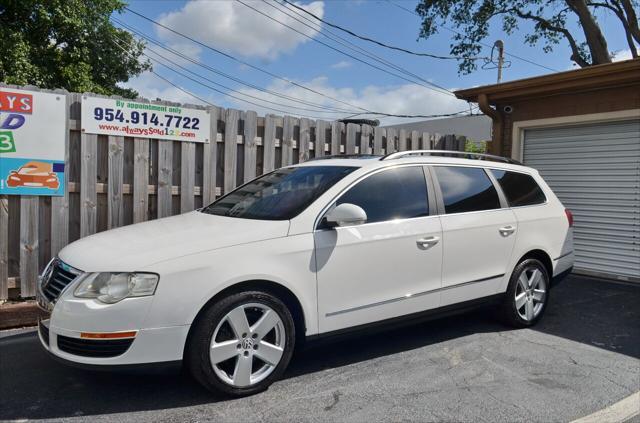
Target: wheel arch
{"x": 276, "y": 289}
{"x": 542, "y": 256}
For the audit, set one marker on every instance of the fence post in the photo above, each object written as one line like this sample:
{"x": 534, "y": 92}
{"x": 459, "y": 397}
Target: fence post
{"x": 305, "y": 139}
{"x": 115, "y": 206}
{"x": 210, "y": 160}
{"x": 250, "y": 147}
{"x": 4, "y": 248}
{"x": 230, "y": 149}
{"x": 28, "y": 245}
{"x": 88, "y": 193}
{"x": 165, "y": 178}
{"x": 140, "y": 180}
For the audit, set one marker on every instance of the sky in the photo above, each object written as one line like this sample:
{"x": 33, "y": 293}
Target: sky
{"x": 349, "y": 86}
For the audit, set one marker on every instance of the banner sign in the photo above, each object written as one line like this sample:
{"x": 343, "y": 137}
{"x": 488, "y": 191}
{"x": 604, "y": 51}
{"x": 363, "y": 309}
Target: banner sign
{"x": 144, "y": 120}
{"x": 32, "y": 138}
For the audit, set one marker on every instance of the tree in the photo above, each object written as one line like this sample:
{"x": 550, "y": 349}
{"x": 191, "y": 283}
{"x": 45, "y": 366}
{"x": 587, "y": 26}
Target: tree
{"x": 67, "y": 44}
{"x": 550, "y": 18}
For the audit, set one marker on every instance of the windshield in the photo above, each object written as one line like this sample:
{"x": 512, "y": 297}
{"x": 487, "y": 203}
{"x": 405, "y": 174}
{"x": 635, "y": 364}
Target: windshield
{"x": 279, "y": 195}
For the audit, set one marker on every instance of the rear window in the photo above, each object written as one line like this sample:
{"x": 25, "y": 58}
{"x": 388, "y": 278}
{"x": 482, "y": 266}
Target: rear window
{"x": 466, "y": 189}
{"x": 519, "y": 188}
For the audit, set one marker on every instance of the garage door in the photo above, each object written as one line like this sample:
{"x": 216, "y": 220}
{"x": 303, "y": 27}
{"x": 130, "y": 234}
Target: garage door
{"x": 595, "y": 171}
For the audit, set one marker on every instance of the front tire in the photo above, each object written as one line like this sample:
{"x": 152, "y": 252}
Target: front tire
{"x": 241, "y": 344}
{"x": 527, "y": 294}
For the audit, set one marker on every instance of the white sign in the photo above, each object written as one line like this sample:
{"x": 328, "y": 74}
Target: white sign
{"x": 144, "y": 120}
{"x": 32, "y": 142}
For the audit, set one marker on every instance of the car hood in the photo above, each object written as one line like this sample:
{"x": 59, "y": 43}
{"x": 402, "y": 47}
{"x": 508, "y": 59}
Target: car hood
{"x": 137, "y": 246}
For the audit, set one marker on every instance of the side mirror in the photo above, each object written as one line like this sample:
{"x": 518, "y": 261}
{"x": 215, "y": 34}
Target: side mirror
{"x": 346, "y": 215}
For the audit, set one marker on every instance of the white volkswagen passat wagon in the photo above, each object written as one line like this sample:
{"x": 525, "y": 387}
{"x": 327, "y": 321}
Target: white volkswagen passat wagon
{"x": 306, "y": 251}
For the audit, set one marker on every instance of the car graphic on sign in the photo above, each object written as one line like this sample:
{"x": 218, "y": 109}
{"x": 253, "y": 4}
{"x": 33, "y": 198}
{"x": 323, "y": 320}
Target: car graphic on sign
{"x": 34, "y": 174}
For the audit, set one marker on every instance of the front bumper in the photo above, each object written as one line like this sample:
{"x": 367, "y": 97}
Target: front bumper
{"x": 148, "y": 346}
{"x": 61, "y": 333}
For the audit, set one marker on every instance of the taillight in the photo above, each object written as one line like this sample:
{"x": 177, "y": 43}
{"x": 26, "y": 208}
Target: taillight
{"x": 569, "y": 217}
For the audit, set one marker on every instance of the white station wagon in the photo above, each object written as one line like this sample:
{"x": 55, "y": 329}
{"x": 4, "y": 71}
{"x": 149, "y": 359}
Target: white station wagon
{"x": 327, "y": 246}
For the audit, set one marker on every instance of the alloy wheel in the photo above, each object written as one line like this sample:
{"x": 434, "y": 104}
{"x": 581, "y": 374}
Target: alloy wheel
{"x": 530, "y": 293}
{"x": 247, "y": 345}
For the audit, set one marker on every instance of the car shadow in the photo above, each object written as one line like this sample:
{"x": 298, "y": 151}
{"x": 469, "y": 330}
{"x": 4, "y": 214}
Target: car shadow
{"x": 34, "y": 386}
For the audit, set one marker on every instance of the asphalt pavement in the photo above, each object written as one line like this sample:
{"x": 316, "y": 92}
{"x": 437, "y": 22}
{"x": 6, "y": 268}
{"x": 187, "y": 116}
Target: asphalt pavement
{"x": 583, "y": 356}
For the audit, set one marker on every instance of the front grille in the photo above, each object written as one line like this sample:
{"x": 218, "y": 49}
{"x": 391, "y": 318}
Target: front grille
{"x": 93, "y": 347}
{"x": 44, "y": 333}
{"x": 60, "y": 276}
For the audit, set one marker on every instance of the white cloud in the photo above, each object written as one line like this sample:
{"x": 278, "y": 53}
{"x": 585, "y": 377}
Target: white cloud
{"x": 343, "y": 64}
{"x": 404, "y": 99}
{"x": 232, "y": 27}
{"x": 621, "y": 55}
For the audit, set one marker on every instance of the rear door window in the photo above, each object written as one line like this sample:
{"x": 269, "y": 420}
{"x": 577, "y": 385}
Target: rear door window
{"x": 397, "y": 193}
{"x": 466, "y": 189}
{"x": 519, "y": 188}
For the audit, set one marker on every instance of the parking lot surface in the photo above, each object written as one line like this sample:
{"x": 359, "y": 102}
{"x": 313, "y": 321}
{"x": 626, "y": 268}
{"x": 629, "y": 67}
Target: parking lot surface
{"x": 583, "y": 356}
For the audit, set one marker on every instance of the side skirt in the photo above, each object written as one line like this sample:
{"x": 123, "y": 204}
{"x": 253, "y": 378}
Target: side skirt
{"x": 422, "y": 316}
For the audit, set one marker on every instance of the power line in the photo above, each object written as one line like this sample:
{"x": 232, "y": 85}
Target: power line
{"x": 218, "y": 90}
{"x": 225, "y": 75}
{"x": 266, "y": 72}
{"x": 348, "y": 44}
{"x": 431, "y": 85}
{"x": 351, "y": 112}
{"x": 371, "y": 40}
{"x": 479, "y": 42}
{"x": 365, "y": 111}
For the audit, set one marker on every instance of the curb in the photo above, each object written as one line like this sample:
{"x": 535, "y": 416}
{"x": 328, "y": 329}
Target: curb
{"x": 18, "y": 315}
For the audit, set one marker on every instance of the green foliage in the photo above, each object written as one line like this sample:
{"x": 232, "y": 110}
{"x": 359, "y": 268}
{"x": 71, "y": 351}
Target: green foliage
{"x": 550, "y": 18}
{"x": 473, "y": 147}
{"x": 67, "y": 44}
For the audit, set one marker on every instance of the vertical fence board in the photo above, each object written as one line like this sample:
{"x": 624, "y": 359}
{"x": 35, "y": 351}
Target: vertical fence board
{"x": 60, "y": 205}
{"x": 269, "y": 144}
{"x": 390, "y": 147}
{"x": 187, "y": 176}
{"x": 165, "y": 178}
{"x": 210, "y": 160}
{"x": 425, "y": 141}
{"x": 350, "y": 141}
{"x": 415, "y": 140}
{"x": 402, "y": 140}
{"x": 336, "y": 137}
{"x": 365, "y": 139}
{"x": 321, "y": 137}
{"x": 250, "y": 147}
{"x": 88, "y": 192}
{"x": 286, "y": 146}
{"x": 230, "y": 149}
{"x": 378, "y": 134}
{"x": 115, "y": 205}
{"x": 140, "y": 180}
{"x": 305, "y": 140}
{"x": 28, "y": 245}
{"x": 4, "y": 248}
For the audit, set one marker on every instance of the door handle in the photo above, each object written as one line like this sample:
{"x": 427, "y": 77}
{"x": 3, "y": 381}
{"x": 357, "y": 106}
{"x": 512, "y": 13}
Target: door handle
{"x": 427, "y": 242}
{"x": 507, "y": 230}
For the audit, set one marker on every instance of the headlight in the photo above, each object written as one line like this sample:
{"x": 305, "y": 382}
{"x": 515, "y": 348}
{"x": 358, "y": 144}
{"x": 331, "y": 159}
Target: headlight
{"x": 113, "y": 287}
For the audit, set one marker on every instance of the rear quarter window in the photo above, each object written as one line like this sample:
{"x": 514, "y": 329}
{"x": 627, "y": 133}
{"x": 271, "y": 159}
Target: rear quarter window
{"x": 519, "y": 188}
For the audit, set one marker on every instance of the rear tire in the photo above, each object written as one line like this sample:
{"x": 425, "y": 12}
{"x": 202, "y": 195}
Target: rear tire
{"x": 527, "y": 294}
{"x": 241, "y": 344}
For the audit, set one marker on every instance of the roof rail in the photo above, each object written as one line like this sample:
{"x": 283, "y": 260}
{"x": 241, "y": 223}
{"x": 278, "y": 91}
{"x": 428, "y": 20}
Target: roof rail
{"x": 464, "y": 154}
{"x": 346, "y": 156}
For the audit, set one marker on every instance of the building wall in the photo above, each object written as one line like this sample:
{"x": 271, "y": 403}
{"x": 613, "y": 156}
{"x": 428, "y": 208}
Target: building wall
{"x": 569, "y": 104}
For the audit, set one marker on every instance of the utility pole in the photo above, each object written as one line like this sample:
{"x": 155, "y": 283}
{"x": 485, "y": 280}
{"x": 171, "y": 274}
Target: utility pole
{"x": 500, "y": 45}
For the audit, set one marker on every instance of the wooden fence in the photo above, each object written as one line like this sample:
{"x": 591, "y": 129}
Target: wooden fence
{"x": 113, "y": 181}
